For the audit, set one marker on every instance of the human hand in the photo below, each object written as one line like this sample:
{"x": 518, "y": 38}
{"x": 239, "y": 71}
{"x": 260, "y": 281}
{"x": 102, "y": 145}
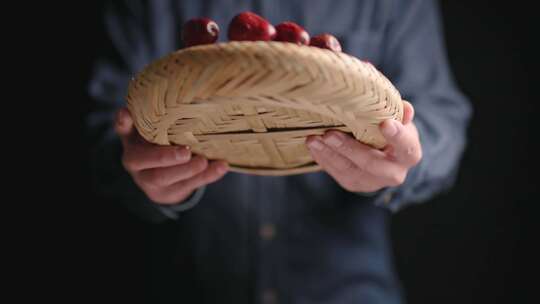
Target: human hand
{"x": 166, "y": 174}
{"x": 360, "y": 168}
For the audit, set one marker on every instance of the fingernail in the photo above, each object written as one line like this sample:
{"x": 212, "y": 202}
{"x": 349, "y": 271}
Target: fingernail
{"x": 120, "y": 117}
{"x": 181, "y": 154}
{"x": 333, "y": 140}
{"x": 316, "y": 144}
{"x": 390, "y": 128}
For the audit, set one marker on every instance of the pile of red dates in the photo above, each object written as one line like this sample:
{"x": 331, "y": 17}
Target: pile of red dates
{"x": 248, "y": 26}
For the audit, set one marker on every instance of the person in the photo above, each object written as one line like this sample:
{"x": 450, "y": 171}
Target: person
{"x": 312, "y": 238}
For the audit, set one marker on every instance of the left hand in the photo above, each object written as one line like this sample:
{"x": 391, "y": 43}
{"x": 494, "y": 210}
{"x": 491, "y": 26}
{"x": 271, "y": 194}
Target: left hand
{"x": 360, "y": 168}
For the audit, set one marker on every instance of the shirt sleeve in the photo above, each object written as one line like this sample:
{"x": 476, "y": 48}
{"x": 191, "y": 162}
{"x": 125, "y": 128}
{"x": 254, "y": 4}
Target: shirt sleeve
{"x": 139, "y": 32}
{"x": 414, "y": 59}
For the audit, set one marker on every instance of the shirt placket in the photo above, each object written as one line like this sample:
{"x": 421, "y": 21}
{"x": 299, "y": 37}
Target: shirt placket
{"x": 271, "y": 193}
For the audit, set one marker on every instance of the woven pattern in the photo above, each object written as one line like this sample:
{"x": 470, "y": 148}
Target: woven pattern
{"x": 254, "y": 103}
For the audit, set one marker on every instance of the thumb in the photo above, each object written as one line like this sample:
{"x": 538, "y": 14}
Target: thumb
{"x": 123, "y": 123}
{"x": 408, "y": 112}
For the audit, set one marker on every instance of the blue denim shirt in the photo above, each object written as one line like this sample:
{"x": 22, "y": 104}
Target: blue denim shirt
{"x": 295, "y": 239}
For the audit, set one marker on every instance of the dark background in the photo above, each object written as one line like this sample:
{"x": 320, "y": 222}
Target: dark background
{"x": 470, "y": 245}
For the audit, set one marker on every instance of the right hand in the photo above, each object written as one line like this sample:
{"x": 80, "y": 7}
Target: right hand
{"x": 166, "y": 174}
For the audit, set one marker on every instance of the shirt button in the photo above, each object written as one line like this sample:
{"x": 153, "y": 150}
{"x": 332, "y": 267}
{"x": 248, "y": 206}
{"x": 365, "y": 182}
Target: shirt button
{"x": 387, "y": 198}
{"x": 267, "y": 231}
{"x": 269, "y": 297}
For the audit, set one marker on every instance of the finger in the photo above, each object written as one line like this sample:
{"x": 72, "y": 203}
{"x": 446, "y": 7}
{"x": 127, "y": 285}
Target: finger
{"x": 126, "y": 129}
{"x": 123, "y": 124}
{"x": 408, "y": 112}
{"x": 140, "y": 154}
{"x": 215, "y": 171}
{"x": 163, "y": 177}
{"x": 141, "y": 157}
{"x": 350, "y": 179}
{"x": 178, "y": 191}
{"x": 364, "y": 157}
{"x": 357, "y": 179}
{"x": 328, "y": 156}
{"x": 404, "y": 140}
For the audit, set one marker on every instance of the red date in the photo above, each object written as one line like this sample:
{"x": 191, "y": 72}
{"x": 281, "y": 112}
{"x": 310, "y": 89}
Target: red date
{"x": 248, "y": 26}
{"x": 326, "y": 41}
{"x": 292, "y": 32}
{"x": 198, "y": 31}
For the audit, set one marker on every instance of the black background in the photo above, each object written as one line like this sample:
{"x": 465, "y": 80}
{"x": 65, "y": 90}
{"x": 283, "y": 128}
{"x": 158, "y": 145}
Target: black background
{"x": 470, "y": 245}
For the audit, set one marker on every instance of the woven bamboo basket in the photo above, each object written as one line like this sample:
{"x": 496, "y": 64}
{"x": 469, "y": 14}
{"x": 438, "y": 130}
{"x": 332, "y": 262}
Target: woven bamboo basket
{"x": 254, "y": 103}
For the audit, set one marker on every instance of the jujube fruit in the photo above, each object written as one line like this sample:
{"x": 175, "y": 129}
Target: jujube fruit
{"x": 326, "y": 41}
{"x": 291, "y": 32}
{"x": 248, "y": 26}
{"x": 198, "y": 31}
